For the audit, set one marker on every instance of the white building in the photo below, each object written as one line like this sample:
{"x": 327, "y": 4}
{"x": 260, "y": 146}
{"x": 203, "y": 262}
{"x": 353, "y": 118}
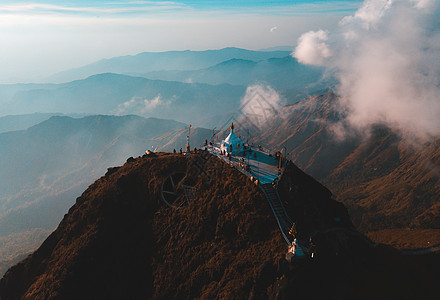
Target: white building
{"x": 232, "y": 144}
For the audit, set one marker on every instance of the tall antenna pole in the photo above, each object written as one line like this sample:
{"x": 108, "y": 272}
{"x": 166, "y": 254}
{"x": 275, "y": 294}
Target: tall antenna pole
{"x": 188, "y": 147}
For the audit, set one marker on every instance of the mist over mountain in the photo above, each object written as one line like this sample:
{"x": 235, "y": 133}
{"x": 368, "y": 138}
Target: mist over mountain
{"x": 23, "y": 122}
{"x": 157, "y": 61}
{"x": 279, "y": 48}
{"x": 179, "y": 95}
{"x": 384, "y": 180}
{"x": 174, "y": 140}
{"x": 7, "y": 91}
{"x": 386, "y": 58}
{"x": 64, "y": 147}
{"x": 48, "y": 165}
{"x": 121, "y": 95}
{"x": 44, "y": 168}
{"x": 280, "y": 73}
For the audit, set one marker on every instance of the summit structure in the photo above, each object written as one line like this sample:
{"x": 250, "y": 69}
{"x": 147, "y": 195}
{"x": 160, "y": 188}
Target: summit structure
{"x": 249, "y": 159}
{"x": 232, "y": 143}
{"x": 265, "y": 170}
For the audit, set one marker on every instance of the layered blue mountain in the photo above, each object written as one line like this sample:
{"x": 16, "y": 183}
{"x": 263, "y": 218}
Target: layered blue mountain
{"x": 120, "y": 94}
{"x": 170, "y": 60}
{"x": 45, "y": 153}
{"x": 188, "y": 86}
{"x": 44, "y": 168}
{"x": 23, "y": 122}
{"x": 282, "y": 73}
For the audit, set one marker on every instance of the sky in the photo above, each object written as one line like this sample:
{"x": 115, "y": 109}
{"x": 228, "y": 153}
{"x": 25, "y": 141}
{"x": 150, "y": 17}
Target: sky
{"x": 40, "y": 38}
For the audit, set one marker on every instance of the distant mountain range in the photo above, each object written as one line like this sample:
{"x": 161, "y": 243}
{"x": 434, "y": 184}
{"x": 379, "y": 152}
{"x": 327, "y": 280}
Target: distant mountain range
{"x": 46, "y": 162}
{"x": 44, "y": 168}
{"x": 280, "y": 73}
{"x": 188, "y": 86}
{"x": 23, "y": 122}
{"x": 158, "y": 61}
{"x": 60, "y": 152}
{"x": 383, "y": 181}
{"x": 48, "y": 158}
{"x": 121, "y": 94}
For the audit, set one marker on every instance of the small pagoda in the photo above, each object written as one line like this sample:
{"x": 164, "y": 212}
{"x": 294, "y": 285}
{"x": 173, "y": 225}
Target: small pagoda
{"x": 232, "y": 143}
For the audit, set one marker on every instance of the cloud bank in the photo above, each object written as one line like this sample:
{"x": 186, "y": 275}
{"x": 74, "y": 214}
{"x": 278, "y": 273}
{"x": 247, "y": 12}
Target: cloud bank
{"x": 312, "y": 48}
{"x": 260, "y": 105}
{"x": 140, "y": 106}
{"x": 387, "y": 59}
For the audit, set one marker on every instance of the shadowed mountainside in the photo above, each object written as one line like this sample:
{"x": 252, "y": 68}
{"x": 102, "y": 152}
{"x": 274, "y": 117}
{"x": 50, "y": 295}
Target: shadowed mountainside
{"x": 384, "y": 181}
{"x": 44, "y": 168}
{"x": 121, "y": 241}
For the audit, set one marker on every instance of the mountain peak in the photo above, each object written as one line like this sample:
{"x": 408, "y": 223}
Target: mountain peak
{"x": 125, "y": 238}
{"x": 120, "y": 236}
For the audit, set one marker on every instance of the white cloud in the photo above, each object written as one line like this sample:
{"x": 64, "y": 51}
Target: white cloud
{"x": 424, "y": 4}
{"x": 312, "y": 48}
{"x": 387, "y": 59}
{"x": 273, "y": 28}
{"x": 371, "y": 12}
{"x": 39, "y": 8}
{"x": 140, "y": 106}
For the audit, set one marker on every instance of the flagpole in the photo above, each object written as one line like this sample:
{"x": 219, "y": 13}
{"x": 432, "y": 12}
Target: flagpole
{"x": 188, "y": 146}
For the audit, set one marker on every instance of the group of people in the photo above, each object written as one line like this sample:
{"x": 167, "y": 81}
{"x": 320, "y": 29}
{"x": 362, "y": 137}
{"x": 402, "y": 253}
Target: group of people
{"x": 180, "y": 151}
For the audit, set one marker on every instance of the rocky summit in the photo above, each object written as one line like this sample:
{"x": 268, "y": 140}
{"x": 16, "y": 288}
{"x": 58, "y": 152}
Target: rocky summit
{"x": 171, "y": 226}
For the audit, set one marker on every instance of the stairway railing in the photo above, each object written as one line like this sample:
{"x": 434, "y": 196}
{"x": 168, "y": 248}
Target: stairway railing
{"x": 281, "y": 216}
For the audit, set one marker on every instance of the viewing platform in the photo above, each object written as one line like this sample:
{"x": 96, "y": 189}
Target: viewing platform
{"x": 251, "y": 160}
{"x": 254, "y": 163}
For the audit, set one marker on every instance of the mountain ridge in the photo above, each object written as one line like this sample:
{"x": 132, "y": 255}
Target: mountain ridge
{"x": 149, "y": 61}
{"x": 111, "y": 93}
{"x": 281, "y": 73}
{"x": 121, "y": 240}
{"x": 383, "y": 180}
{"x": 66, "y": 152}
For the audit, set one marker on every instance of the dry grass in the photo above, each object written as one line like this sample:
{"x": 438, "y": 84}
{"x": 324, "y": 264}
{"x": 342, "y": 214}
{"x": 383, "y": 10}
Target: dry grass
{"x": 406, "y": 238}
{"x": 120, "y": 241}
